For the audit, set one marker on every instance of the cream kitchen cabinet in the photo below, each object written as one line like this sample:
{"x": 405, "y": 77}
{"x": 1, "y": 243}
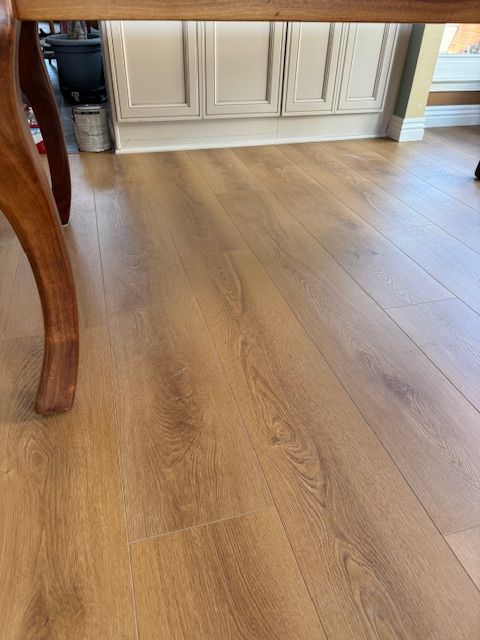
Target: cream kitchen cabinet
{"x": 366, "y": 66}
{"x": 313, "y": 51}
{"x": 155, "y": 69}
{"x": 187, "y": 70}
{"x": 243, "y": 68}
{"x": 178, "y": 85}
{"x": 206, "y": 70}
{"x": 334, "y": 68}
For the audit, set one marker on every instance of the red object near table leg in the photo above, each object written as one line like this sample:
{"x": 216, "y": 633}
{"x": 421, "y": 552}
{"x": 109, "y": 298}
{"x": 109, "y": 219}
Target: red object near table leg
{"x": 27, "y": 201}
{"x": 35, "y": 83}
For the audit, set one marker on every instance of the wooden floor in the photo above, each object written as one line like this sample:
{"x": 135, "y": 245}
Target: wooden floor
{"x": 277, "y": 428}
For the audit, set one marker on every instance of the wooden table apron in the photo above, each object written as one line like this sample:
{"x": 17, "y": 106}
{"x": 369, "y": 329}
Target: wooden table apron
{"x": 36, "y": 210}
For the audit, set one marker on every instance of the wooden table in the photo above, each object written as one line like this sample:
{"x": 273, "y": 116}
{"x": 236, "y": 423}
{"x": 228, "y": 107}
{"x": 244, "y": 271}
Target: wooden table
{"x": 35, "y": 210}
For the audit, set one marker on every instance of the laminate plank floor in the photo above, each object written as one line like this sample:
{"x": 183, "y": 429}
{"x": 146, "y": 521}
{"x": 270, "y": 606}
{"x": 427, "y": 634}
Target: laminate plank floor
{"x": 184, "y": 450}
{"x": 249, "y": 584}
{"x": 376, "y": 264}
{"x": 457, "y": 183}
{"x": 277, "y": 427}
{"x": 449, "y": 333}
{"x": 371, "y": 356}
{"x": 450, "y": 214}
{"x": 436, "y": 147}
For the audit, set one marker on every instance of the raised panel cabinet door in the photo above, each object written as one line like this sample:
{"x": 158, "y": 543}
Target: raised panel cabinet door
{"x": 313, "y": 50}
{"x": 243, "y": 68}
{"x": 366, "y": 66}
{"x": 154, "y": 67}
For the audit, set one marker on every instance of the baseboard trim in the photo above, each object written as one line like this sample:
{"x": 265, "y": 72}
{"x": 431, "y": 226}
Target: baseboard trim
{"x": 134, "y": 146}
{"x": 452, "y": 115}
{"x": 406, "y": 129}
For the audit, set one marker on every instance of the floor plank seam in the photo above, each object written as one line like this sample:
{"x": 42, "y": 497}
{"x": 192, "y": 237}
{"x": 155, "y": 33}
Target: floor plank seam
{"x": 444, "y": 375}
{"x": 427, "y": 223}
{"x": 298, "y": 510}
{"x": 116, "y": 419}
{"x": 349, "y": 275}
{"x": 454, "y": 295}
{"x": 274, "y": 505}
{"x": 414, "y": 208}
{"x": 418, "y": 304}
{"x": 361, "y": 175}
{"x": 383, "y": 309}
{"x": 392, "y": 195}
{"x": 426, "y": 180}
{"x": 451, "y": 533}
{"x": 366, "y": 422}
{"x": 200, "y": 525}
{"x": 431, "y": 156}
{"x": 440, "y": 132}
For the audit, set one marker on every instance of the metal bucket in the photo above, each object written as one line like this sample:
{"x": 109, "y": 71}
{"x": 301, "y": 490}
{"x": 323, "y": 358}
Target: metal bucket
{"x": 91, "y": 127}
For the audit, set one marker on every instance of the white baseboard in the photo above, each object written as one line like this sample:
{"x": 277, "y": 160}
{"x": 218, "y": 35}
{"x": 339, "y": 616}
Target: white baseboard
{"x": 406, "y": 129}
{"x": 216, "y": 133}
{"x": 135, "y": 146}
{"x": 452, "y": 115}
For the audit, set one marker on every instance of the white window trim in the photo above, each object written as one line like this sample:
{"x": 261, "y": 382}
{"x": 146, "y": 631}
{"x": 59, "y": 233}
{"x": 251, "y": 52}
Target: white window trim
{"x": 457, "y": 72}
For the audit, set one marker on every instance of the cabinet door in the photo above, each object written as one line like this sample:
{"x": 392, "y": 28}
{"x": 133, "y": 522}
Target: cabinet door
{"x": 366, "y": 68}
{"x": 155, "y": 69}
{"x": 243, "y": 68}
{"x": 313, "y": 49}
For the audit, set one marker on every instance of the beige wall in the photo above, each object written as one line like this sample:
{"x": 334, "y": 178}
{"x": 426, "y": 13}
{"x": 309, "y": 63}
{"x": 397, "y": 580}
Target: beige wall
{"x": 425, "y": 67}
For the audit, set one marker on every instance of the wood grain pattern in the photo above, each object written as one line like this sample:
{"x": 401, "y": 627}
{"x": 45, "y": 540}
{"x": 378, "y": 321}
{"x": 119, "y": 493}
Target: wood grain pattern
{"x": 374, "y": 564}
{"x": 64, "y": 562}
{"x": 369, "y": 201}
{"x": 223, "y": 171}
{"x": 321, "y": 460}
{"x": 377, "y": 265}
{"x": 185, "y": 454}
{"x": 449, "y": 333}
{"x": 453, "y": 216}
{"x": 466, "y": 139}
{"x": 303, "y": 10}
{"x": 235, "y": 579}
{"x": 9, "y": 255}
{"x": 435, "y": 146}
{"x": 436, "y": 251}
{"x": 466, "y": 545}
{"x": 10, "y": 251}
{"x": 461, "y": 186}
{"x": 390, "y": 381}
{"x": 27, "y": 201}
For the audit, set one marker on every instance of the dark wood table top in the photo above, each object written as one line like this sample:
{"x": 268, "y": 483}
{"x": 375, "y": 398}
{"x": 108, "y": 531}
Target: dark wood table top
{"x": 439, "y": 11}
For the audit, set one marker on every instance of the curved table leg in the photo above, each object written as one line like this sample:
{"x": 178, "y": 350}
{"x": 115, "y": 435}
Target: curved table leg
{"x": 35, "y": 83}
{"x": 27, "y": 201}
